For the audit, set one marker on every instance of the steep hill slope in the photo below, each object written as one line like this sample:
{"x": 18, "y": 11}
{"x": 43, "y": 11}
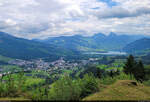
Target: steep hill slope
{"x": 138, "y": 46}
{"x": 26, "y": 49}
{"x": 122, "y": 90}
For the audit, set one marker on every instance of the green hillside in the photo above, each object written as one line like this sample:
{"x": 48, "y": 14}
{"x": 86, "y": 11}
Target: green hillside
{"x": 97, "y": 42}
{"x": 26, "y": 49}
{"x": 122, "y": 90}
{"x": 141, "y": 46}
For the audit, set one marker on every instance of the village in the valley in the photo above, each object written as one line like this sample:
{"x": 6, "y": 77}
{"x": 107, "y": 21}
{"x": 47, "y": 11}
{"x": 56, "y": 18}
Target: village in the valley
{"x": 41, "y": 65}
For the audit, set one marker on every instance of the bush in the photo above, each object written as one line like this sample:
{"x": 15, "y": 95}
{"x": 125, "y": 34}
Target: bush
{"x": 68, "y": 89}
{"x": 65, "y": 89}
{"x": 89, "y": 85}
{"x": 38, "y": 94}
{"x": 147, "y": 83}
{"x": 124, "y": 76}
{"x": 2, "y": 90}
{"x": 107, "y": 80}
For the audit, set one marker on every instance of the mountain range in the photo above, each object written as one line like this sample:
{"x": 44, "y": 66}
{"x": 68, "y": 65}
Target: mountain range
{"x": 55, "y": 47}
{"x": 97, "y": 42}
{"x": 138, "y": 47}
{"x": 14, "y": 47}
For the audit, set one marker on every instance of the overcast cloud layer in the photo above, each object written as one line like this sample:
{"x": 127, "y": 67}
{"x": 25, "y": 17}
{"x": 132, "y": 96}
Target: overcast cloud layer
{"x": 45, "y": 18}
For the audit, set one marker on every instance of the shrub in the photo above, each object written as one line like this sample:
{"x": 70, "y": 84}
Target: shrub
{"x": 89, "y": 85}
{"x": 147, "y": 83}
{"x": 124, "y": 76}
{"x": 65, "y": 89}
{"x": 107, "y": 80}
{"x": 2, "y": 90}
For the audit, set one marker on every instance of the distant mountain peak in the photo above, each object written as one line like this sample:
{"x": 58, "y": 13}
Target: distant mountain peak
{"x": 99, "y": 35}
{"x": 112, "y": 34}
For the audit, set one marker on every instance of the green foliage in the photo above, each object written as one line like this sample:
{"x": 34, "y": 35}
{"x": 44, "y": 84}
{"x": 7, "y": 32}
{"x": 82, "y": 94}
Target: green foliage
{"x": 137, "y": 69}
{"x": 147, "y": 71}
{"x": 4, "y": 59}
{"x": 139, "y": 72}
{"x": 124, "y": 76}
{"x": 38, "y": 94}
{"x": 11, "y": 87}
{"x": 21, "y": 81}
{"x": 68, "y": 89}
{"x": 89, "y": 85}
{"x": 17, "y": 85}
{"x": 107, "y": 80}
{"x": 10, "y": 68}
{"x": 10, "y": 47}
{"x": 33, "y": 81}
{"x": 129, "y": 65}
{"x": 110, "y": 80}
{"x": 65, "y": 89}
{"x": 2, "y": 89}
{"x": 147, "y": 83}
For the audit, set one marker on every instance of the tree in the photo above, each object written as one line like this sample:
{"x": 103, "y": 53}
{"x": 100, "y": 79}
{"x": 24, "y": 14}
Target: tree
{"x": 10, "y": 86}
{"x": 137, "y": 69}
{"x": 64, "y": 89}
{"x": 111, "y": 74}
{"x": 88, "y": 85}
{"x": 129, "y": 65}
{"x": 139, "y": 72}
{"x": 21, "y": 81}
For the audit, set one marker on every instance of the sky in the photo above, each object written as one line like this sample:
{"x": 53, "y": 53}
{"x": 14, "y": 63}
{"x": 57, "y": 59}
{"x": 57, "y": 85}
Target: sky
{"x": 49, "y": 18}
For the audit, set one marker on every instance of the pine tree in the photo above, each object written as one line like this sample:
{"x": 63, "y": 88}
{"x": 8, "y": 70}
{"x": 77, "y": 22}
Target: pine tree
{"x": 139, "y": 72}
{"x": 137, "y": 69}
{"x": 129, "y": 65}
{"x": 111, "y": 74}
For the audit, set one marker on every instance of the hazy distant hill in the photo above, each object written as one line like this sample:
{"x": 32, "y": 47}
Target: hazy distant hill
{"x": 26, "y": 49}
{"x": 138, "y": 46}
{"x": 98, "y": 42}
{"x": 61, "y": 46}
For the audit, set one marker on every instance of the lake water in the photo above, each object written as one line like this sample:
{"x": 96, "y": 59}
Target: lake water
{"x": 108, "y": 53}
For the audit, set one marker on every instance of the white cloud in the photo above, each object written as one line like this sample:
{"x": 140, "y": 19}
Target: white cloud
{"x": 44, "y": 18}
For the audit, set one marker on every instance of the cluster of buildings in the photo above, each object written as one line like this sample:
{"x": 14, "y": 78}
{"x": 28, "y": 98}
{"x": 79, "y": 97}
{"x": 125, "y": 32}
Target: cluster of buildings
{"x": 39, "y": 64}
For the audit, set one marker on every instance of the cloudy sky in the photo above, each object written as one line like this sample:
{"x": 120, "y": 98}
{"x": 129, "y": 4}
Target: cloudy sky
{"x": 45, "y": 18}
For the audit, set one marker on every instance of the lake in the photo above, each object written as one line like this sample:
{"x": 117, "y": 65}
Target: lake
{"x": 108, "y": 53}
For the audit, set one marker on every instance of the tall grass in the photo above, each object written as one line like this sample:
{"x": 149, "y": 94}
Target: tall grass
{"x": 124, "y": 76}
{"x": 110, "y": 80}
{"x": 107, "y": 80}
{"x": 147, "y": 83}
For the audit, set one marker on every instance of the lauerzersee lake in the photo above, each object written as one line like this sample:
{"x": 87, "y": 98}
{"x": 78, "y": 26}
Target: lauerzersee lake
{"x": 108, "y": 53}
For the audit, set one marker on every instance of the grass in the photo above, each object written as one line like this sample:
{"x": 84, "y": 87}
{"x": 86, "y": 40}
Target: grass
{"x": 4, "y": 59}
{"x": 113, "y": 66}
{"x": 122, "y": 90}
{"x": 107, "y": 81}
{"x": 29, "y": 80}
{"x": 14, "y": 99}
{"x": 147, "y": 83}
{"x": 33, "y": 81}
{"x": 124, "y": 76}
{"x": 7, "y": 68}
